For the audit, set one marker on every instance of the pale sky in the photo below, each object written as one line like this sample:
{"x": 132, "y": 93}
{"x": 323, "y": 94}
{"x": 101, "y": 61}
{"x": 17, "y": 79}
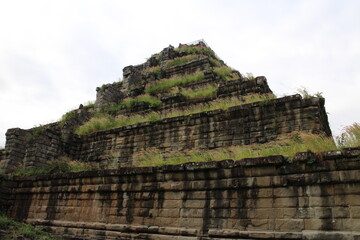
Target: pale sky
{"x": 53, "y": 54}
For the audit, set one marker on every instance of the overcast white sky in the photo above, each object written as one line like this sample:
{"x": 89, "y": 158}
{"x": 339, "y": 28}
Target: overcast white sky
{"x": 53, "y": 54}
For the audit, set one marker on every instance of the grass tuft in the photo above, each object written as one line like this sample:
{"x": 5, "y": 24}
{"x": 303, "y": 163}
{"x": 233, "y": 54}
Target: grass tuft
{"x": 288, "y": 146}
{"x": 206, "y": 91}
{"x": 166, "y": 84}
{"x": 61, "y": 165}
{"x": 350, "y": 136}
{"x": 225, "y": 73}
{"x": 12, "y": 229}
{"x": 104, "y": 122}
{"x": 181, "y": 60}
{"x": 197, "y": 50}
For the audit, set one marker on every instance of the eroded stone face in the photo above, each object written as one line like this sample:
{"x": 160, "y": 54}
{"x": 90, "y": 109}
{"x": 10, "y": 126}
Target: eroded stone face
{"x": 254, "y": 123}
{"x": 264, "y": 198}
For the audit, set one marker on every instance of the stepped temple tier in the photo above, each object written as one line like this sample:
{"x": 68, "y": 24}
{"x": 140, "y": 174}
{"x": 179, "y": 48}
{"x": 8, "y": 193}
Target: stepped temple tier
{"x": 184, "y": 147}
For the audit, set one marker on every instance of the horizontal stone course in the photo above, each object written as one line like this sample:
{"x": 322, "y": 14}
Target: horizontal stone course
{"x": 210, "y": 200}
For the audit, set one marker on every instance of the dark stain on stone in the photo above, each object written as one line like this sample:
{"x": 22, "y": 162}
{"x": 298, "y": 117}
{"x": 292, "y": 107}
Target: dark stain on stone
{"x": 130, "y": 204}
{"x": 22, "y": 206}
{"x": 52, "y": 204}
{"x": 207, "y": 210}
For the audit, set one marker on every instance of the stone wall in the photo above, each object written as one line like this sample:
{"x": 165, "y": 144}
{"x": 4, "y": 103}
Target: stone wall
{"x": 312, "y": 198}
{"x": 241, "y": 125}
{"x": 15, "y": 149}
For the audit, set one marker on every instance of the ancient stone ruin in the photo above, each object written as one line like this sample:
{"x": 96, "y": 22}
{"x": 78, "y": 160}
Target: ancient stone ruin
{"x": 181, "y": 100}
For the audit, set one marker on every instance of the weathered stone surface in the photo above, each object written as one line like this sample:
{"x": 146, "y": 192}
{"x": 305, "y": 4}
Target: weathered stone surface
{"x": 197, "y": 201}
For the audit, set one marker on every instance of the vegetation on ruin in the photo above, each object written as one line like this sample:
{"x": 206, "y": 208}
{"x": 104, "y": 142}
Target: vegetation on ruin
{"x": 61, "y": 165}
{"x": 225, "y": 73}
{"x": 104, "y": 121}
{"x": 35, "y": 133}
{"x": 68, "y": 116}
{"x": 166, "y": 84}
{"x": 249, "y": 76}
{"x": 189, "y": 49}
{"x": 204, "y": 92}
{"x": 350, "y": 137}
{"x": 181, "y": 60}
{"x": 287, "y": 145}
{"x": 130, "y": 102}
{"x": 11, "y": 229}
{"x": 306, "y": 94}
{"x": 156, "y": 70}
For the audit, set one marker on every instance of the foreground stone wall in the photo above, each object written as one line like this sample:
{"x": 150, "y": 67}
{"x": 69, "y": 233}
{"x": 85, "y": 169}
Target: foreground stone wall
{"x": 241, "y": 125}
{"x": 315, "y": 197}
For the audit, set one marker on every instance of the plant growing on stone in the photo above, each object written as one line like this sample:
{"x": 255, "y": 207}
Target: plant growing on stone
{"x": 197, "y": 50}
{"x": 250, "y": 76}
{"x": 35, "y": 132}
{"x": 287, "y": 145}
{"x": 105, "y": 121}
{"x": 181, "y": 60}
{"x": 225, "y": 73}
{"x": 306, "y": 94}
{"x": 350, "y": 137}
{"x": 11, "y": 229}
{"x": 166, "y": 84}
{"x": 204, "y": 92}
{"x": 61, "y": 165}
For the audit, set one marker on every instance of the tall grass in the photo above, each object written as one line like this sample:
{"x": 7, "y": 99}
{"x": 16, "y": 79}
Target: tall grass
{"x": 181, "y": 60}
{"x": 197, "y": 50}
{"x": 206, "y": 91}
{"x": 166, "y": 84}
{"x": 12, "y": 229}
{"x": 350, "y": 137}
{"x": 225, "y": 73}
{"x": 287, "y": 145}
{"x": 129, "y": 103}
{"x": 104, "y": 122}
{"x": 61, "y": 165}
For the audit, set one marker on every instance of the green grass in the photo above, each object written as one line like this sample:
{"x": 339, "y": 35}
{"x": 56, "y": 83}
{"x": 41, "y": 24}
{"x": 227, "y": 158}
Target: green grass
{"x": 166, "y": 84}
{"x": 104, "y": 122}
{"x": 215, "y": 63}
{"x": 62, "y": 165}
{"x": 306, "y": 94}
{"x": 350, "y": 137}
{"x": 129, "y": 103}
{"x": 197, "y": 50}
{"x": 181, "y": 60}
{"x": 207, "y": 91}
{"x": 35, "y": 132}
{"x": 225, "y": 73}
{"x": 287, "y": 146}
{"x": 18, "y": 230}
{"x": 155, "y": 70}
